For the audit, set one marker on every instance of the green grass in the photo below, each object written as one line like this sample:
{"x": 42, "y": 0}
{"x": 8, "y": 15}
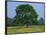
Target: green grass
{"x": 23, "y": 29}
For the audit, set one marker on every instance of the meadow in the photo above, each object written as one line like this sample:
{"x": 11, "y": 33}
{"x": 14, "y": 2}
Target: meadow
{"x": 24, "y": 29}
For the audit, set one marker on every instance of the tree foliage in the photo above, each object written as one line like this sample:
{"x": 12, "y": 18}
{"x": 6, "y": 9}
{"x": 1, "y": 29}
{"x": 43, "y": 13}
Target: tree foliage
{"x": 25, "y": 15}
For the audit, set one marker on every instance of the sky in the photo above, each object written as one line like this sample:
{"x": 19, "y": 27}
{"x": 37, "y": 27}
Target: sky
{"x": 11, "y": 6}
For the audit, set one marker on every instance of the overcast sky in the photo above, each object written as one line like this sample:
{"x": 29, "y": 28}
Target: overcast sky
{"x": 11, "y": 6}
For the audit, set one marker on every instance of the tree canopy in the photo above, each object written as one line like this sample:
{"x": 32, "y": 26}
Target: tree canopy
{"x": 25, "y": 15}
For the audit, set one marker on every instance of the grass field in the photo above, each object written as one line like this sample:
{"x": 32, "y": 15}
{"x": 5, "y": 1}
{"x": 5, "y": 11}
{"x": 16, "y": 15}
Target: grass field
{"x": 23, "y": 29}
